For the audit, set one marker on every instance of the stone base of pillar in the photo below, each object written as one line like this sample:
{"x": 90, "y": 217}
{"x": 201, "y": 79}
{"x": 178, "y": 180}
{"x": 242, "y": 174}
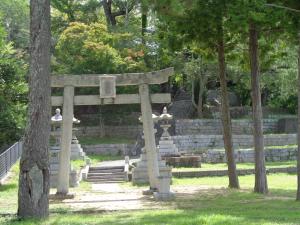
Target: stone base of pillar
{"x": 164, "y": 193}
{"x": 73, "y": 179}
{"x": 140, "y": 172}
{"x": 149, "y": 191}
{"x": 164, "y": 196}
{"x": 60, "y": 196}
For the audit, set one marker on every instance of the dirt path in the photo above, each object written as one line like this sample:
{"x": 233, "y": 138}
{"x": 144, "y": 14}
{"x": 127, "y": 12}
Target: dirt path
{"x": 115, "y": 197}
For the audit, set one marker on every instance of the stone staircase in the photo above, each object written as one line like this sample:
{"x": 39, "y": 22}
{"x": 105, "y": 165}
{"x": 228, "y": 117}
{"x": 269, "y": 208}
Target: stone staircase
{"x": 107, "y": 174}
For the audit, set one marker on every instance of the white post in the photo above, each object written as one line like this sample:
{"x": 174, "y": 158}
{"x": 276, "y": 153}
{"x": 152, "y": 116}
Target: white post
{"x": 148, "y": 127}
{"x": 66, "y": 138}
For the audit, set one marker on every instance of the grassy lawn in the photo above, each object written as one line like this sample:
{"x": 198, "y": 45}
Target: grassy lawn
{"x": 104, "y": 140}
{"x": 95, "y": 159}
{"x": 209, "y": 207}
{"x": 77, "y": 163}
{"x": 213, "y": 204}
{"x": 280, "y": 147}
{"x": 223, "y": 166}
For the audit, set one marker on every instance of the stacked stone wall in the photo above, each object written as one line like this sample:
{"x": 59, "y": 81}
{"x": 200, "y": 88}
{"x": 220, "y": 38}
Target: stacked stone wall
{"x": 129, "y": 131}
{"x": 196, "y": 143}
{"x": 182, "y": 127}
{"x": 109, "y": 149}
{"x": 212, "y": 126}
{"x": 271, "y": 155}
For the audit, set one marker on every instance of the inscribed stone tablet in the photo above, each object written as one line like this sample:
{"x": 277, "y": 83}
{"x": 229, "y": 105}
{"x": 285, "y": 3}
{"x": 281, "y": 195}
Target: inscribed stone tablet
{"x": 107, "y": 86}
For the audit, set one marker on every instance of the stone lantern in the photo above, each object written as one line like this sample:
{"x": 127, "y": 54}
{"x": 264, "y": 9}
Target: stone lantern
{"x": 76, "y": 150}
{"x": 56, "y": 123}
{"x": 166, "y": 145}
{"x": 139, "y": 173}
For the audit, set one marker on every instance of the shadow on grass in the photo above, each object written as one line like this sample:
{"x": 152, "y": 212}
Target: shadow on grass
{"x": 209, "y": 206}
{"x": 7, "y": 187}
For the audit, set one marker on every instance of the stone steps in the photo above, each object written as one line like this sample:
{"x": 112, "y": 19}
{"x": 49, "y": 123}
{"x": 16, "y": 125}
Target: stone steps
{"x": 107, "y": 174}
{"x": 97, "y": 181}
{"x": 106, "y": 170}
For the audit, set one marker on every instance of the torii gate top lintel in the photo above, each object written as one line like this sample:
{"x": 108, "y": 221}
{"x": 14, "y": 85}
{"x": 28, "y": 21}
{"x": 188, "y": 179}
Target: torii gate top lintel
{"x": 92, "y": 80}
{"x": 156, "y": 77}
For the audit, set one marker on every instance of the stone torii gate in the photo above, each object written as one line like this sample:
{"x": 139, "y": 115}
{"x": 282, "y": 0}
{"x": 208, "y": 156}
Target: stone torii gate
{"x": 107, "y": 84}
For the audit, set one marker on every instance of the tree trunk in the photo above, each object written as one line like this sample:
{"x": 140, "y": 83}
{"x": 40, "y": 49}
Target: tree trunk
{"x": 110, "y": 19}
{"x": 261, "y": 185}
{"x": 298, "y": 137}
{"x": 202, "y": 84}
{"x": 144, "y": 21}
{"x": 34, "y": 165}
{"x": 111, "y": 16}
{"x": 225, "y": 114}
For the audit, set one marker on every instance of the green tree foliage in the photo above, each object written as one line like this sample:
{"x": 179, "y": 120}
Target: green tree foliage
{"x": 15, "y": 19}
{"x": 91, "y": 48}
{"x": 13, "y": 91}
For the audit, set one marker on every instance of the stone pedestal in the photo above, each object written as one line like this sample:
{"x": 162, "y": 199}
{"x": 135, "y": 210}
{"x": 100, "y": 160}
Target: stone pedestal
{"x": 167, "y": 147}
{"x": 76, "y": 149}
{"x": 164, "y": 193}
{"x": 140, "y": 172}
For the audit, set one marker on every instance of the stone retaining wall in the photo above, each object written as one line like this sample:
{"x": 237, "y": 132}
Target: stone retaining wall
{"x": 192, "y": 143}
{"x": 110, "y": 131}
{"x": 109, "y": 149}
{"x": 187, "y": 127}
{"x": 240, "y": 172}
{"x": 271, "y": 155}
{"x": 211, "y": 126}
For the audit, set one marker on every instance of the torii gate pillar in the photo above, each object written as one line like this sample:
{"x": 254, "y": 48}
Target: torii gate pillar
{"x": 66, "y": 139}
{"x": 148, "y": 127}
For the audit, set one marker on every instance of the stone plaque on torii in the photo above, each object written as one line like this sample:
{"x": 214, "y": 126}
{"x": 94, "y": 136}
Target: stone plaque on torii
{"x": 107, "y": 84}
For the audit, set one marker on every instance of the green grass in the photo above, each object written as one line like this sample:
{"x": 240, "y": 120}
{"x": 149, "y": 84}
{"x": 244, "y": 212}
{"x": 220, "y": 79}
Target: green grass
{"x": 77, "y": 164}
{"x": 214, "y": 204}
{"x": 95, "y": 159}
{"x": 104, "y": 140}
{"x": 278, "y": 181}
{"x": 9, "y": 193}
{"x": 224, "y": 207}
{"x": 280, "y": 147}
{"x": 223, "y": 166}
